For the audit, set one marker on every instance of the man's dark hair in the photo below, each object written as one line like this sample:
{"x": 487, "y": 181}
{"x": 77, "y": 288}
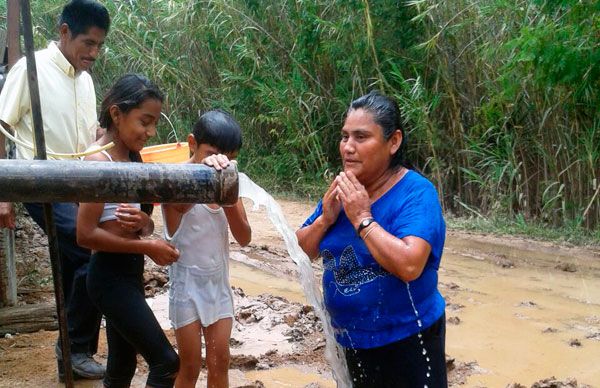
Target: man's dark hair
{"x": 80, "y": 15}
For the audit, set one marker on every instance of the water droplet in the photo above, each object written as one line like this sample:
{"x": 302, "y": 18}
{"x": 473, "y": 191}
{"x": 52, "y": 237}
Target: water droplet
{"x": 425, "y": 352}
{"x": 421, "y": 342}
{"x": 428, "y": 374}
{"x": 427, "y": 359}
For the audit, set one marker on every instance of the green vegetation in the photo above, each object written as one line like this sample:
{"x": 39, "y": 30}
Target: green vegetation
{"x": 501, "y": 97}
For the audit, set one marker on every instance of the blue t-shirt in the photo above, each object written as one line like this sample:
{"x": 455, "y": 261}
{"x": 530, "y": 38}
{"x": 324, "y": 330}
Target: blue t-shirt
{"x": 370, "y": 307}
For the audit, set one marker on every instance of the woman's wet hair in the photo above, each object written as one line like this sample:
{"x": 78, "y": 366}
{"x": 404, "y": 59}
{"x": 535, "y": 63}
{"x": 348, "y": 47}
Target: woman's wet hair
{"x": 80, "y": 15}
{"x": 386, "y": 114}
{"x": 129, "y": 92}
{"x": 218, "y": 129}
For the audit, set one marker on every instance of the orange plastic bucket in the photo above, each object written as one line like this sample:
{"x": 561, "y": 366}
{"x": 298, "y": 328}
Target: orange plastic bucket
{"x": 166, "y": 153}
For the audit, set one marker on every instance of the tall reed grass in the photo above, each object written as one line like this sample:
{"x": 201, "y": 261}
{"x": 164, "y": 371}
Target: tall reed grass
{"x": 501, "y": 97}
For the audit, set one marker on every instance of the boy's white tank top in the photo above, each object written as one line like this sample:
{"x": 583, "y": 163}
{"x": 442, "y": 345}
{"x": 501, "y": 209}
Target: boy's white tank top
{"x": 202, "y": 238}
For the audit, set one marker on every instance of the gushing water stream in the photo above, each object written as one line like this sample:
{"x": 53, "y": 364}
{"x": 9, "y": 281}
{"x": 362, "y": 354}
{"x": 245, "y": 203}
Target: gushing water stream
{"x": 333, "y": 352}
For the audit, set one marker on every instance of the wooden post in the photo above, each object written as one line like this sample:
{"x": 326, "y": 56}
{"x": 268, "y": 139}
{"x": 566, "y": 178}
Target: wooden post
{"x": 8, "y": 269}
{"x": 8, "y": 274}
{"x": 40, "y": 153}
{"x": 12, "y": 33}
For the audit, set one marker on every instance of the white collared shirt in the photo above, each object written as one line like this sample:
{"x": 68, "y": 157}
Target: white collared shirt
{"x": 68, "y": 101}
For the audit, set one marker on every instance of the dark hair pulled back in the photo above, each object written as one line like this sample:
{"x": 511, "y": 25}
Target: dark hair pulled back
{"x": 386, "y": 114}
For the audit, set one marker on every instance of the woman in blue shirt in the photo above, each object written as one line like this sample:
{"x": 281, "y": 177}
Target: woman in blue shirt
{"x": 380, "y": 231}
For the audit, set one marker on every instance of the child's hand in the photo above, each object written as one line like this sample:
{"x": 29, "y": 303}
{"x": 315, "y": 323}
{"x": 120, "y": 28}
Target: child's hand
{"x": 218, "y": 161}
{"x": 131, "y": 218}
{"x": 161, "y": 252}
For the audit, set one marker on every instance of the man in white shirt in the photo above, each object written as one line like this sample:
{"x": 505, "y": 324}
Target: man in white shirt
{"x": 68, "y": 103}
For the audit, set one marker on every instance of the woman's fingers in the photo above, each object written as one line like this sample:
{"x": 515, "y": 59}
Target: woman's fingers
{"x": 348, "y": 184}
{"x": 345, "y": 188}
{"x": 332, "y": 187}
{"x": 354, "y": 197}
{"x": 331, "y": 193}
{"x": 354, "y": 181}
{"x": 331, "y": 203}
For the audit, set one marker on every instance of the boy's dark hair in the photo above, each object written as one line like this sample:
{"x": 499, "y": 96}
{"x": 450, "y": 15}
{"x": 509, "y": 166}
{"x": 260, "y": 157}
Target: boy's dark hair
{"x": 80, "y": 15}
{"x": 219, "y": 129}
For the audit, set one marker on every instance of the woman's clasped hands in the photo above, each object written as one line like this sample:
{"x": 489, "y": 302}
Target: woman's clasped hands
{"x": 347, "y": 192}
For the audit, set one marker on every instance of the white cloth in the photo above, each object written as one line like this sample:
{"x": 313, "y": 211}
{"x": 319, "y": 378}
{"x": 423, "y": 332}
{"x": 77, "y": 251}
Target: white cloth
{"x": 67, "y": 98}
{"x": 199, "y": 279}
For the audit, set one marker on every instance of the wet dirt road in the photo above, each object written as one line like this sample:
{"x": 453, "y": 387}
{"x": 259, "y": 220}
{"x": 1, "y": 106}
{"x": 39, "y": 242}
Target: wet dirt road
{"x": 518, "y": 323}
{"x": 521, "y": 324}
{"x": 518, "y": 311}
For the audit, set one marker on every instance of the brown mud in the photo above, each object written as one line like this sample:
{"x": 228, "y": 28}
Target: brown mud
{"x": 519, "y": 313}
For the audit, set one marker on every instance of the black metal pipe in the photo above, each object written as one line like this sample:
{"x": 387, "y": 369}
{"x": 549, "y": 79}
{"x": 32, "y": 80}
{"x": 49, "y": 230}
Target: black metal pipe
{"x": 78, "y": 181}
{"x": 40, "y": 153}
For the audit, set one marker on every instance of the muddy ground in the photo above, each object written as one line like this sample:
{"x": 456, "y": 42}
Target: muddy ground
{"x": 519, "y": 313}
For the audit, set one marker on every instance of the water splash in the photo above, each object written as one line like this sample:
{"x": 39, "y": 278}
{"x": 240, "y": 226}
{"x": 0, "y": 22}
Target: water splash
{"x": 333, "y": 352}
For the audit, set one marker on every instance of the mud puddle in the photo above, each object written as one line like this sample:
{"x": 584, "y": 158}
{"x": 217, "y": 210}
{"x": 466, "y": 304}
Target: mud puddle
{"x": 255, "y": 282}
{"x": 290, "y": 377}
{"x": 521, "y": 323}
